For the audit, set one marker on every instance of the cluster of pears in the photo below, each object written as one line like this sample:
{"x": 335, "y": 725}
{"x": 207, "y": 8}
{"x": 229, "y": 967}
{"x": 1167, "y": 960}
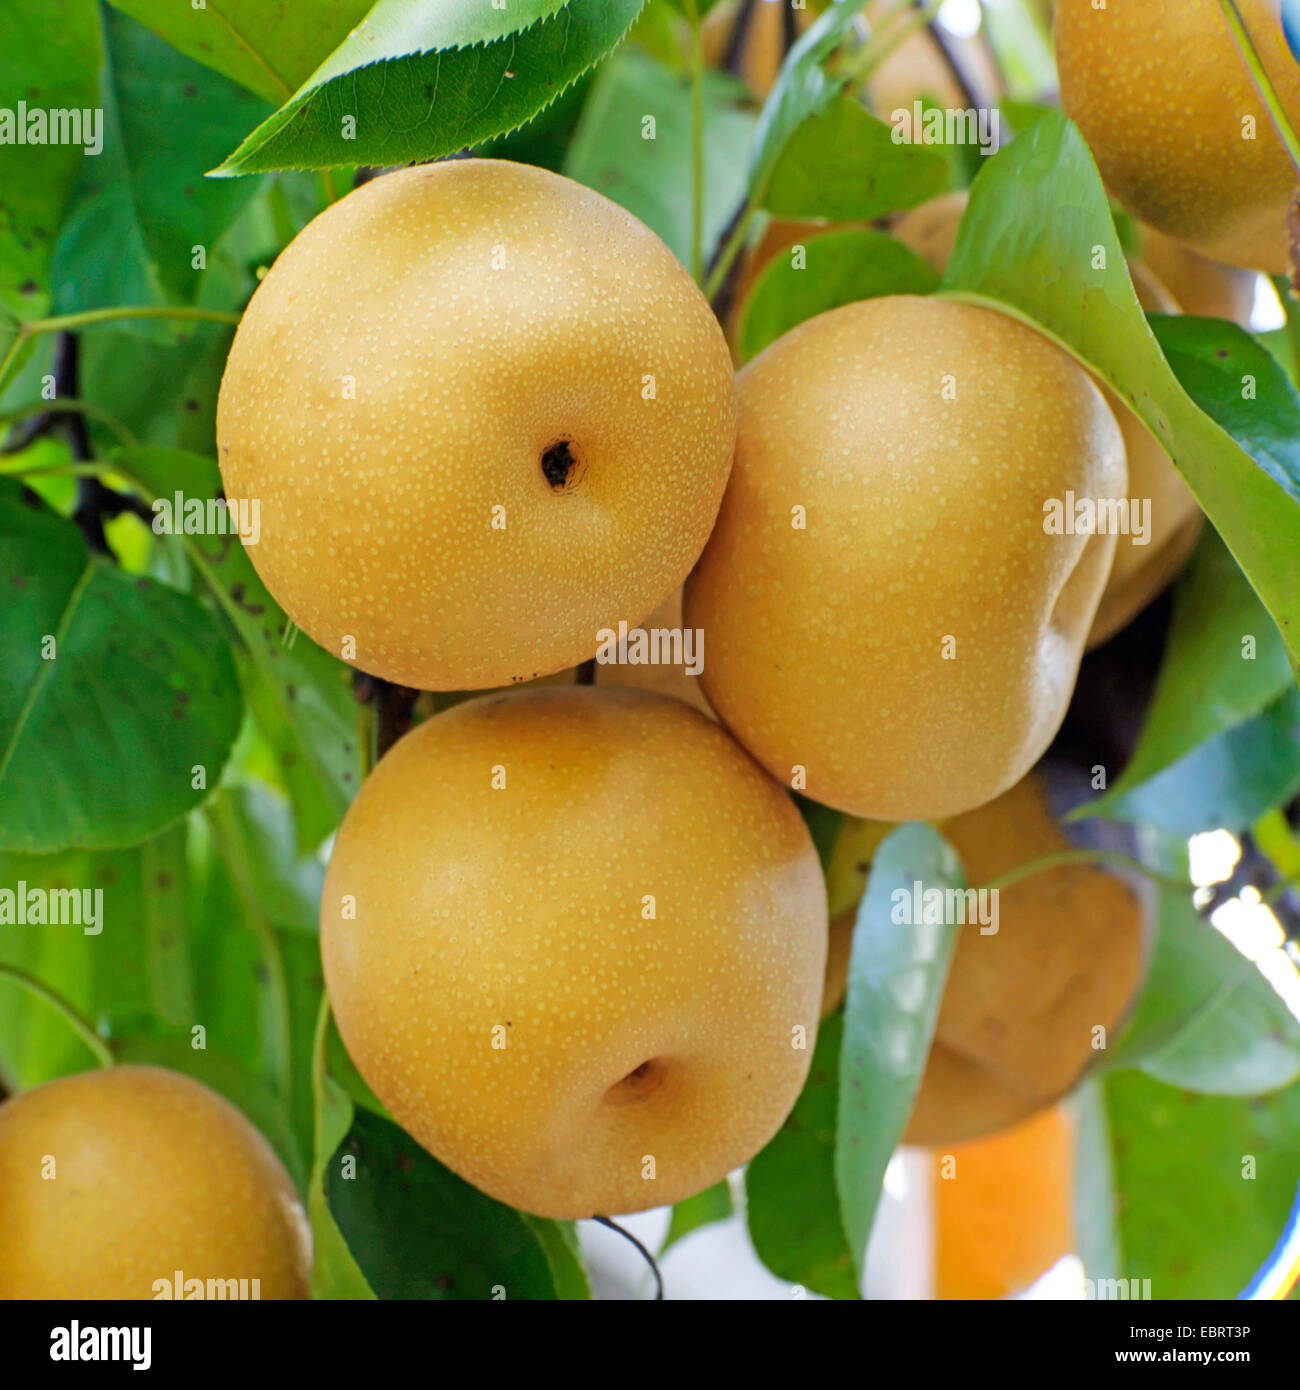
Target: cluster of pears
{"x": 575, "y": 936}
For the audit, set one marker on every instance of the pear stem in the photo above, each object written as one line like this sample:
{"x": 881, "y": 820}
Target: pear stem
{"x": 646, "y": 1255}
{"x": 87, "y": 318}
{"x": 1083, "y": 856}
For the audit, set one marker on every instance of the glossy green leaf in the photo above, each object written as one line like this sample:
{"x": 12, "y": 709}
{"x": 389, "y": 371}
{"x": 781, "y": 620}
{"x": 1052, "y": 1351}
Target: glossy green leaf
{"x": 1206, "y": 1184}
{"x": 416, "y": 1230}
{"x": 653, "y": 178}
{"x": 1207, "y": 1019}
{"x": 49, "y": 58}
{"x": 118, "y": 695}
{"x": 843, "y": 165}
{"x": 142, "y": 211}
{"x": 1224, "y": 662}
{"x": 791, "y": 1204}
{"x": 834, "y": 268}
{"x": 269, "y": 48}
{"x": 335, "y": 1274}
{"x": 897, "y": 972}
{"x": 1226, "y": 783}
{"x": 418, "y": 82}
{"x": 1036, "y": 226}
{"x": 1237, "y": 382}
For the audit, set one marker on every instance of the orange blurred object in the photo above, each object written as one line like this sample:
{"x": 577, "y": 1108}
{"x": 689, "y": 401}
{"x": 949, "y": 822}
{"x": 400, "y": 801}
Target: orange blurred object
{"x": 1004, "y": 1208}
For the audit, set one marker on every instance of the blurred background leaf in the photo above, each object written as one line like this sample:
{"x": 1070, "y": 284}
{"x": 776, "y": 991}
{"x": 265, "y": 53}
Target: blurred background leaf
{"x": 1194, "y": 1219}
{"x": 142, "y": 207}
{"x": 269, "y": 49}
{"x": 652, "y": 178}
{"x": 50, "y": 57}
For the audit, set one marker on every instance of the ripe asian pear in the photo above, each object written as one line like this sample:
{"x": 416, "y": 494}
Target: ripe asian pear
{"x": 586, "y": 958}
{"x": 1181, "y": 135}
{"x": 889, "y": 625}
{"x": 113, "y": 1179}
{"x": 1143, "y": 566}
{"x": 486, "y": 413}
{"x": 1015, "y": 1030}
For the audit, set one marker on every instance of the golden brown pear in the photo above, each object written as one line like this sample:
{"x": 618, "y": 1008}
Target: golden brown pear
{"x": 1202, "y": 287}
{"x": 1179, "y": 131}
{"x": 1015, "y": 1028}
{"x": 1144, "y": 562}
{"x": 888, "y": 625}
{"x": 575, "y": 940}
{"x": 114, "y": 1179}
{"x": 485, "y": 413}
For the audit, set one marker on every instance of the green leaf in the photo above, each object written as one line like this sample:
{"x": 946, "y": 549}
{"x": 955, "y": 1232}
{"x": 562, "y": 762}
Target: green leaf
{"x": 424, "y": 81}
{"x": 802, "y": 89}
{"x": 311, "y": 689}
{"x": 335, "y": 1274}
{"x": 1096, "y": 1204}
{"x": 1211, "y": 679}
{"x": 713, "y": 1204}
{"x": 1239, "y": 384}
{"x": 114, "y": 690}
{"x": 839, "y": 267}
{"x": 791, "y": 1204}
{"x": 1195, "y": 1219}
{"x": 270, "y": 49}
{"x": 653, "y": 178}
{"x": 135, "y": 968}
{"x": 823, "y": 825}
{"x": 1208, "y": 1019}
{"x": 843, "y": 165}
{"x": 1035, "y": 226}
{"x": 896, "y": 979}
{"x": 1228, "y": 782}
{"x": 142, "y": 207}
{"x": 49, "y": 58}
{"x": 418, "y": 1231}
{"x": 559, "y": 1242}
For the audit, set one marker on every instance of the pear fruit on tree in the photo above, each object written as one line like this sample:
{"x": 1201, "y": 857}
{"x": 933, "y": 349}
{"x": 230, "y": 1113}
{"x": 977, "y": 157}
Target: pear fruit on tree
{"x": 112, "y": 1181}
{"x": 1029, "y": 1008}
{"x": 486, "y": 414}
{"x": 891, "y": 628}
{"x": 1147, "y": 557}
{"x": 575, "y": 941}
{"x": 1178, "y": 128}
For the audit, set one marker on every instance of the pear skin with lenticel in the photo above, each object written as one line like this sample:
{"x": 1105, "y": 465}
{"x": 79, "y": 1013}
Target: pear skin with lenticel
{"x": 575, "y": 941}
{"x": 485, "y": 413}
{"x": 113, "y": 1181}
{"x": 890, "y": 627}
